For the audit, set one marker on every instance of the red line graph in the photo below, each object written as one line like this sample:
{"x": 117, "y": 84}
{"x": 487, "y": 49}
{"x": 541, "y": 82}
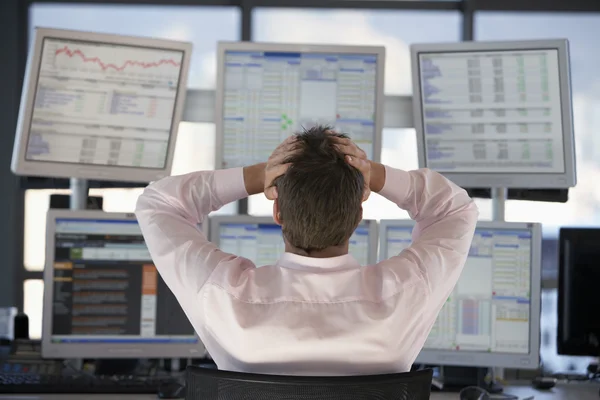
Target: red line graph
{"x": 104, "y": 66}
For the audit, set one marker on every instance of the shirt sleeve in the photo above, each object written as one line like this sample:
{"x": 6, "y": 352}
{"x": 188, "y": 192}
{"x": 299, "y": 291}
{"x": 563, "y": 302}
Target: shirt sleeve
{"x": 445, "y": 218}
{"x": 169, "y": 212}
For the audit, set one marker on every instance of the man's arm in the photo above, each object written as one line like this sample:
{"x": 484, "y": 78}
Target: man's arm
{"x": 170, "y": 210}
{"x": 445, "y": 222}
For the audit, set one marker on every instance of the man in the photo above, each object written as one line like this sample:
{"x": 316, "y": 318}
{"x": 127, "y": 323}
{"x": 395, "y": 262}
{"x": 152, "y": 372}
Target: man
{"x": 316, "y": 311}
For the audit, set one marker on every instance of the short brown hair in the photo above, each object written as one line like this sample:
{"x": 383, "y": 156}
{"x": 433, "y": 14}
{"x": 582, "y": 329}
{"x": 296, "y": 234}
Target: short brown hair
{"x": 320, "y": 195}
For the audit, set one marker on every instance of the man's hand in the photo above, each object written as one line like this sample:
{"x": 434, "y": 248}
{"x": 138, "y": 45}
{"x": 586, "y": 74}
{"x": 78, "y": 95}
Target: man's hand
{"x": 356, "y": 157}
{"x": 276, "y": 165}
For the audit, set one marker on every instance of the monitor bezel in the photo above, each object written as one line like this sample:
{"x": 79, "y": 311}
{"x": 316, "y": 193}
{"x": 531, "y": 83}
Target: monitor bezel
{"x": 21, "y": 166}
{"x": 224, "y": 47}
{"x": 99, "y": 350}
{"x": 553, "y": 180}
{"x": 216, "y": 221}
{"x": 530, "y": 360}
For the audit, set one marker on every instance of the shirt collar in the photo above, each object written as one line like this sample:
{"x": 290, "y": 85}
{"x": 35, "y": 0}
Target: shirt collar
{"x": 295, "y": 261}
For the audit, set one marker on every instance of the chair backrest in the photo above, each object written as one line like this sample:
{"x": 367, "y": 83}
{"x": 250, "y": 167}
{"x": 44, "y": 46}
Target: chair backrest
{"x": 212, "y": 384}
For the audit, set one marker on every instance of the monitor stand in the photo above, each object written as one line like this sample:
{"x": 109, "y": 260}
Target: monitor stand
{"x": 113, "y": 367}
{"x": 499, "y": 196}
{"x": 457, "y": 378}
{"x": 594, "y": 367}
{"x": 79, "y": 193}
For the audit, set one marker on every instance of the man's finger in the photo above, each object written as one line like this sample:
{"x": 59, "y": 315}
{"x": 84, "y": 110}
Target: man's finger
{"x": 364, "y": 153}
{"x": 289, "y": 141}
{"x": 283, "y": 150}
{"x": 271, "y": 193}
{"x": 351, "y": 150}
{"x": 275, "y": 170}
{"x": 279, "y": 156}
{"x": 270, "y": 175}
{"x": 342, "y": 140}
{"x": 356, "y": 162}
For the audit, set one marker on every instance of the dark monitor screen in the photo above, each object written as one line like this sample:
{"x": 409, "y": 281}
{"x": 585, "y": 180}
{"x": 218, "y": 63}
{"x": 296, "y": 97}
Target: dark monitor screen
{"x": 578, "y": 299}
{"x": 107, "y": 289}
{"x": 545, "y": 195}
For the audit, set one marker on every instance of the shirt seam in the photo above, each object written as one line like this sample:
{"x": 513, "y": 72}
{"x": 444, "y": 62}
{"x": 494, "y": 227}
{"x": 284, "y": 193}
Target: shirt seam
{"x": 423, "y": 273}
{"x": 301, "y": 301}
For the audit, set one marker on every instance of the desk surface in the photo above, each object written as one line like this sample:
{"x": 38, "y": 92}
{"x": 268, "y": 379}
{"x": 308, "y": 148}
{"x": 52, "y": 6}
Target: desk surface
{"x": 567, "y": 391}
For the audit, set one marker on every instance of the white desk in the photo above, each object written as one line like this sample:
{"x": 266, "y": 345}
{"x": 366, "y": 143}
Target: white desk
{"x": 568, "y": 391}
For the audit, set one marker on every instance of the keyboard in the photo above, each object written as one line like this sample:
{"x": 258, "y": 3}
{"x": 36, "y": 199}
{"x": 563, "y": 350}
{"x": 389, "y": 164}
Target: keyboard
{"x": 80, "y": 384}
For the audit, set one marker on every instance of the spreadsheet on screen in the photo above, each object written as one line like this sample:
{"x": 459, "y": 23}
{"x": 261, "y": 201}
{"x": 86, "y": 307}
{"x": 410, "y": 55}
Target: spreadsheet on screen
{"x": 270, "y": 95}
{"x": 263, "y": 243}
{"x": 489, "y": 309}
{"x": 492, "y": 111}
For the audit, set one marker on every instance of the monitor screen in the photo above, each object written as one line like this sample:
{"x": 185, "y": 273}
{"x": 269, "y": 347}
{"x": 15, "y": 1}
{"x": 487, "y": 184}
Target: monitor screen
{"x": 490, "y": 310}
{"x": 270, "y": 94}
{"x": 106, "y": 289}
{"x": 102, "y": 104}
{"x": 494, "y": 112}
{"x": 262, "y": 243}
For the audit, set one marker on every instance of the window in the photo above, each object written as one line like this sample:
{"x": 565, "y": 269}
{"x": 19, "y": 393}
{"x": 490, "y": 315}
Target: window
{"x": 583, "y": 207}
{"x": 395, "y": 30}
{"x": 33, "y": 291}
{"x": 204, "y": 27}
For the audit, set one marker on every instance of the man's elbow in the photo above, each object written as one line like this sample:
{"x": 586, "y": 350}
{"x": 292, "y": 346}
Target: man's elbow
{"x": 145, "y": 202}
{"x": 473, "y": 209}
{"x": 471, "y": 213}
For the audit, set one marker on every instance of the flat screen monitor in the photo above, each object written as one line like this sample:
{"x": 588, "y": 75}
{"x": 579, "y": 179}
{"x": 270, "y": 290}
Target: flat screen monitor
{"x": 260, "y": 240}
{"x": 268, "y": 91}
{"x": 495, "y": 114}
{"x": 104, "y": 297}
{"x": 97, "y": 106}
{"x": 492, "y": 317}
{"x": 578, "y": 332}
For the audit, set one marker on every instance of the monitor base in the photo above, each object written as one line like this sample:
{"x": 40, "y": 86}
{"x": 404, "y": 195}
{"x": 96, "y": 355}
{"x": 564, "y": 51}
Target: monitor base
{"x": 493, "y": 387}
{"x": 454, "y": 379}
{"x": 594, "y": 368}
{"x": 116, "y": 367}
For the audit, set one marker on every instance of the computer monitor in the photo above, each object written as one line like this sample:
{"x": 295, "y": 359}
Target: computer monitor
{"x": 495, "y": 114}
{"x": 104, "y": 297}
{"x": 268, "y": 91}
{"x": 578, "y": 332}
{"x": 492, "y": 318}
{"x": 259, "y": 239}
{"x": 97, "y": 106}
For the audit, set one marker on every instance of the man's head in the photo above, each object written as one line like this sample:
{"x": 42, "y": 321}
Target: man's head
{"x": 320, "y": 195}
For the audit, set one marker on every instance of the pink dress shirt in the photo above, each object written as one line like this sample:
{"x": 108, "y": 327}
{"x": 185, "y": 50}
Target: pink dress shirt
{"x": 309, "y": 316}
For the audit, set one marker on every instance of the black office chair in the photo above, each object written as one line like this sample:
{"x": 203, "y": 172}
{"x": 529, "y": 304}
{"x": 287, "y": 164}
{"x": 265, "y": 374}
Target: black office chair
{"x": 212, "y": 384}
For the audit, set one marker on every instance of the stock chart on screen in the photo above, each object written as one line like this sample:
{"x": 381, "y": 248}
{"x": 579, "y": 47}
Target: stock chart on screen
{"x": 104, "y": 104}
